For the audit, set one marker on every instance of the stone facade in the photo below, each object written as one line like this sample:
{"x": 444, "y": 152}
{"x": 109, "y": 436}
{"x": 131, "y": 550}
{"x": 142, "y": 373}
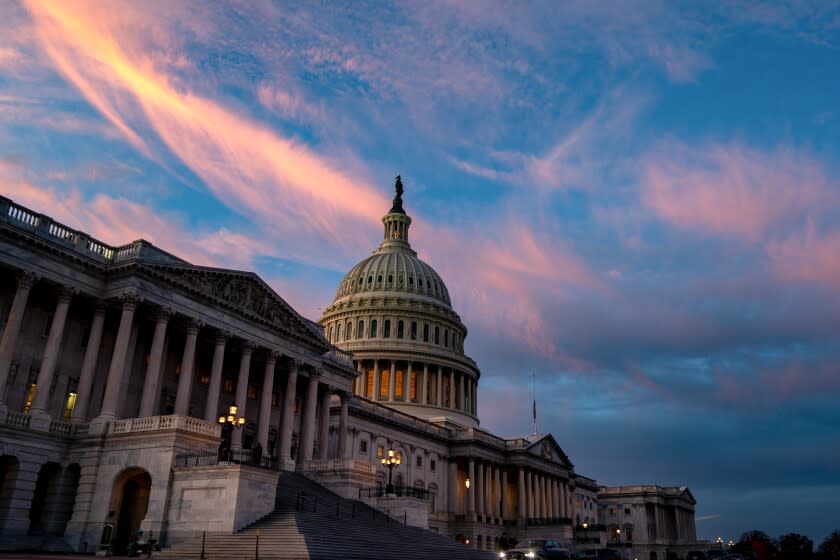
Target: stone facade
{"x": 117, "y": 362}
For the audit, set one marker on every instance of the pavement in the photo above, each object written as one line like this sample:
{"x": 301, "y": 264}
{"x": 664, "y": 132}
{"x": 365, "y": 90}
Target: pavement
{"x": 58, "y": 556}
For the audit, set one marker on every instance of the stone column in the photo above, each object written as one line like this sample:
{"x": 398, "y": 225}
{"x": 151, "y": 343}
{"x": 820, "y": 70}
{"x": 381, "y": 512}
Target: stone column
{"x": 453, "y": 485}
{"x": 241, "y": 391}
{"x": 552, "y": 497}
{"x": 8, "y": 344}
{"x": 452, "y": 401}
{"x": 529, "y": 499}
{"x": 288, "y": 417}
{"x": 424, "y": 387}
{"x": 503, "y": 494}
{"x": 479, "y": 488}
{"x": 307, "y": 429}
{"x": 461, "y": 394}
{"x": 497, "y": 504}
{"x": 185, "y": 379}
{"x": 324, "y": 425}
{"x": 89, "y": 364}
{"x": 376, "y": 381}
{"x": 407, "y": 383}
{"x": 39, "y": 413}
{"x": 342, "y": 426}
{"x": 439, "y": 400}
{"x": 264, "y": 421}
{"x": 471, "y": 490}
{"x": 521, "y": 495}
{"x": 113, "y": 387}
{"x": 211, "y": 407}
{"x": 361, "y": 379}
{"x": 475, "y": 398}
{"x": 149, "y": 400}
{"x": 392, "y": 380}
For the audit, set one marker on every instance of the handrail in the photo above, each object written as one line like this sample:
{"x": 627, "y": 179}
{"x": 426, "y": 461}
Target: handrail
{"x": 226, "y": 457}
{"x": 399, "y": 491}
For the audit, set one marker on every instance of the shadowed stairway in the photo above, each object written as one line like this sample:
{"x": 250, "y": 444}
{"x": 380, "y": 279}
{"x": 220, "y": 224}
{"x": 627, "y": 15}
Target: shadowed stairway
{"x": 310, "y": 522}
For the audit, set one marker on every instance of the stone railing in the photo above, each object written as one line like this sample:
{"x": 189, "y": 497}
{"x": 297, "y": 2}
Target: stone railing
{"x": 158, "y": 423}
{"x": 17, "y": 419}
{"x": 479, "y": 435}
{"x": 61, "y": 428}
{"x": 74, "y": 240}
{"x": 356, "y": 465}
{"x": 340, "y": 357}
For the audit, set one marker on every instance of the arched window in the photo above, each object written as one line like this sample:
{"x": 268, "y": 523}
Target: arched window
{"x": 426, "y": 332}
{"x": 386, "y": 330}
{"x": 348, "y": 332}
{"x": 400, "y": 329}
{"x": 379, "y": 279}
{"x": 373, "y": 326}
{"x": 437, "y": 335}
{"x": 414, "y": 330}
{"x": 420, "y": 282}
{"x": 360, "y": 329}
{"x": 411, "y": 281}
{"x": 329, "y": 334}
{"x": 446, "y": 337}
{"x": 338, "y": 332}
{"x": 390, "y": 278}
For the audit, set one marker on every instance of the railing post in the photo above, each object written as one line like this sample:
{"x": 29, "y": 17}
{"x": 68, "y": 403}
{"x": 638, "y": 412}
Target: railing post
{"x": 203, "y": 535}
{"x": 257, "y": 550}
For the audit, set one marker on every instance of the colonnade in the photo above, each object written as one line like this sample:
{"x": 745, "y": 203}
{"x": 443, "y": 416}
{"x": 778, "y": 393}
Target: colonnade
{"x": 416, "y": 382}
{"x": 119, "y": 370}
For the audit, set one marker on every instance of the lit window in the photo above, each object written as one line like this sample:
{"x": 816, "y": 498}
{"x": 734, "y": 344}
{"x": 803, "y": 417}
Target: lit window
{"x": 373, "y": 326}
{"x": 369, "y": 384}
{"x": 380, "y": 451}
{"x": 69, "y": 406}
{"x": 383, "y": 386}
{"x": 399, "y": 456}
{"x": 30, "y": 396}
{"x": 204, "y": 378}
{"x": 252, "y": 391}
{"x": 613, "y": 511}
{"x": 398, "y": 384}
{"x": 227, "y": 385}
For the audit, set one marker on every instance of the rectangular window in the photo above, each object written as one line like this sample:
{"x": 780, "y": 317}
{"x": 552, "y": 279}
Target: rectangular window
{"x": 383, "y": 384}
{"x": 275, "y": 399}
{"x": 204, "y": 378}
{"x": 426, "y": 332}
{"x": 369, "y": 384}
{"x": 69, "y": 406}
{"x": 30, "y": 396}
{"x": 613, "y": 511}
{"x": 252, "y": 391}
{"x": 363, "y": 446}
{"x": 380, "y": 451}
{"x": 398, "y": 384}
{"x": 626, "y": 511}
{"x": 227, "y": 385}
{"x": 413, "y": 384}
{"x": 432, "y": 465}
{"x": 419, "y": 461}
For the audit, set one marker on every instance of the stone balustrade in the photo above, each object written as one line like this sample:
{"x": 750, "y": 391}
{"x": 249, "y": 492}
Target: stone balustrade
{"x": 356, "y": 465}
{"x": 17, "y": 419}
{"x": 158, "y": 423}
{"x": 479, "y": 435}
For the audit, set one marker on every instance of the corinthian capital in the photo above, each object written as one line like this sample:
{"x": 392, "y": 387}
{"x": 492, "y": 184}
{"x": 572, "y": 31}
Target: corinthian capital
{"x": 27, "y": 279}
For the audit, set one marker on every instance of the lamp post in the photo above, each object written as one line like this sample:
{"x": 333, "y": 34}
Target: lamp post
{"x": 391, "y": 461}
{"x": 617, "y": 536}
{"x": 585, "y": 527}
{"x": 229, "y": 422}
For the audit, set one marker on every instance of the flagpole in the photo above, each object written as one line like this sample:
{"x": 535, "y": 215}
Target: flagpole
{"x": 534, "y": 410}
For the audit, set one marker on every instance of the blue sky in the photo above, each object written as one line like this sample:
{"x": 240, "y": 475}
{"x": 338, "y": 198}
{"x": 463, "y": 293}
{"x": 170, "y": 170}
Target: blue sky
{"x": 635, "y": 201}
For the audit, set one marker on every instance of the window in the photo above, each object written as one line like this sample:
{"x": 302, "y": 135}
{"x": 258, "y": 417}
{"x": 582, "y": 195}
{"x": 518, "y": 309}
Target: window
{"x": 370, "y": 279}
{"x": 628, "y": 534}
{"x": 360, "y": 329}
{"x": 386, "y": 330}
{"x": 252, "y": 391}
{"x": 297, "y": 406}
{"x": 432, "y": 465}
{"x": 626, "y": 511}
{"x": 275, "y": 399}
{"x": 348, "y": 331}
{"x": 383, "y": 385}
{"x": 399, "y": 456}
{"x": 369, "y": 384}
{"x": 329, "y": 334}
{"x": 379, "y": 279}
{"x": 419, "y": 460}
{"x": 400, "y": 329}
{"x": 613, "y": 511}
{"x": 426, "y": 332}
{"x": 398, "y": 384}
{"x": 69, "y": 406}
{"x": 414, "y": 330}
{"x": 446, "y": 338}
{"x": 227, "y": 385}
{"x": 390, "y": 278}
{"x": 412, "y": 383}
{"x": 30, "y": 396}
{"x": 204, "y": 378}
{"x": 380, "y": 451}
{"x": 373, "y": 326}
{"x": 420, "y": 282}
{"x": 437, "y": 335}
{"x": 363, "y": 446}
{"x": 338, "y": 332}
{"x": 411, "y": 280}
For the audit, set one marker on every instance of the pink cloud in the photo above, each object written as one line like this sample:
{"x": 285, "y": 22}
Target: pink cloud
{"x": 731, "y": 190}
{"x": 808, "y": 256}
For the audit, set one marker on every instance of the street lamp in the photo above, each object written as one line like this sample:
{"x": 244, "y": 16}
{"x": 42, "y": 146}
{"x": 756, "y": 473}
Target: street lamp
{"x": 229, "y": 422}
{"x": 467, "y": 483}
{"x": 585, "y": 527}
{"x": 617, "y": 535}
{"x": 391, "y": 461}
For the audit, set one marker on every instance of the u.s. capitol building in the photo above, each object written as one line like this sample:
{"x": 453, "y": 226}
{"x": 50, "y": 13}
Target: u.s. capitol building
{"x": 119, "y": 366}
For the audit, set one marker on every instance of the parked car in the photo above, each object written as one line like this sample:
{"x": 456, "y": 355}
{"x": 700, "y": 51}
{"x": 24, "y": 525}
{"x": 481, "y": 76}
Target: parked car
{"x": 537, "y": 549}
{"x": 697, "y": 555}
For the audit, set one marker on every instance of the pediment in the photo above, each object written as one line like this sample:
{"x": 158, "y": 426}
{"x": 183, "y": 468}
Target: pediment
{"x": 546, "y": 448}
{"x": 244, "y": 292}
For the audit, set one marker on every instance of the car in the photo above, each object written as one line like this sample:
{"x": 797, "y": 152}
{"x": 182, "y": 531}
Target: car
{"x": 696, "y": 555}
{"x": 587, "y": 554}
{"x": 538, "y": 549}
{"x": 598, "y": 554}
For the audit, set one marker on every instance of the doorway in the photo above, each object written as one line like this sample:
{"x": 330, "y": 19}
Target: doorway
{"x": 131, "y": 495}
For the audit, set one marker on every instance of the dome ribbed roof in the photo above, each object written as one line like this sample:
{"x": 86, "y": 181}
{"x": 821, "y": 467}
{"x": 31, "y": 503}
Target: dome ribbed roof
{"x": 394, "y": 270}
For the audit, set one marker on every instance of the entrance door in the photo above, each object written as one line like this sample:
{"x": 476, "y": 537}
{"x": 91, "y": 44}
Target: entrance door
{"x": 132, "y": 510}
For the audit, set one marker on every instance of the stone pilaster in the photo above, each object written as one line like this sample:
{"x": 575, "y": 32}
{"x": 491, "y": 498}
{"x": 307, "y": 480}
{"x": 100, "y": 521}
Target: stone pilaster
{"x": 8, "y": 344}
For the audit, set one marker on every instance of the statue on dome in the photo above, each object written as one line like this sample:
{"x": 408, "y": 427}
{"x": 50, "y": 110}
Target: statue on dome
{"x": 397, "y": 207}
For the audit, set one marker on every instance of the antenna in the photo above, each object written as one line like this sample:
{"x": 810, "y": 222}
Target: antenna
{"x": 534, "y": 410}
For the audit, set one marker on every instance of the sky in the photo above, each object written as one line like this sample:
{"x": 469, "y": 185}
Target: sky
{"x": 636, "y": 202}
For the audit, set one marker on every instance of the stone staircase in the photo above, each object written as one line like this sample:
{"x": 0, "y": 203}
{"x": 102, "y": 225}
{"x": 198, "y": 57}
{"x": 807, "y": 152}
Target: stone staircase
{"x": 311, "y": 523}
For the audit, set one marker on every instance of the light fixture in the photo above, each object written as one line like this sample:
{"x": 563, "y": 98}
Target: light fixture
{"x": 467, "y": 482}
{"x": 585, "y": 525}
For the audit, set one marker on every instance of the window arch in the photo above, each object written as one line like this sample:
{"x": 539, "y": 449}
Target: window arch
{"x": 386, "y": 329}
{"x": 348, "y": 331}
{"x": 425, "y": 332}
{"x": 360, "y": 329}
{"x": 400, "y": 328}
{"x": 373, "y": 327}
{"x": 437, "y": 334}
{"x": 414, "y": 330}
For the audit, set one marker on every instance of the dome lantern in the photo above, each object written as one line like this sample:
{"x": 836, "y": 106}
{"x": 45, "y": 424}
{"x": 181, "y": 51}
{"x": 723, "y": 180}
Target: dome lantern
{"x": 396, "y": 223}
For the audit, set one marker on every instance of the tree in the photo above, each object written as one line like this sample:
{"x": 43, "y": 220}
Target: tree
{"x": 830, "y": 548}
{"x": 758, "y": 543}
{"x": 794, "y": 546}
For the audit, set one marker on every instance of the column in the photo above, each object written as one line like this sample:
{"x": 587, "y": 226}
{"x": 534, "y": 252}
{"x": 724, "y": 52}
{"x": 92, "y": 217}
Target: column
{"x": 113, "y": 386}
{"x": 452, "y": 388}
{"x": 376, "y": 381}
{"x": 439, "y": 400}
{"x": 264, "y": 421}
{"x": 51, "y": 350}
{"x": 342, "y": 426}
{"x": 211, "y": 407}
{"x": 490, "y": 496}
{"x": 475, "y": 398}
{"x": 307, "y": 429}
{"x": 461, "y": 394}
{"x": 471, "y": 489}
{"x": 540, "y": 494}
{"x": 391, "y": 380}
{"x": 520, "y": 495}
{"x": 360, "y": 379}
{"x": 149, "y": 400}
{"x": 497, "y": 508}
{"x": 553, "y": 496}
{"x": 479, "y": 488}
{"x": 424, "y": 387}
{"x": 185, "y": 379}
{"x": 529, "y": 495}
{"x": 89, "y": 364}
{"x": 407, "y": 383}
{"x": 8, "y": 344}
{"x": 241, "y": 391}
{"x": 288, "y": 416}
{"x": 453, "y": 485}
{"x": 324, "y": 424}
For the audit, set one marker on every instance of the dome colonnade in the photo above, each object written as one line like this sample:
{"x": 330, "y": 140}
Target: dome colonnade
{"x": 393, "y": 312}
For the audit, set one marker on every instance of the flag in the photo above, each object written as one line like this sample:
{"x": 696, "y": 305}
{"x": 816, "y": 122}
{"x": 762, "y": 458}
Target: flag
{"x": 535, "y": 410}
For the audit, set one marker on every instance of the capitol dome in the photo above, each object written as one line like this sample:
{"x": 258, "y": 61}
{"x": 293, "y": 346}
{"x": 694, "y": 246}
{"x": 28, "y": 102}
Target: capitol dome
{"x": 393, "y": 312}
